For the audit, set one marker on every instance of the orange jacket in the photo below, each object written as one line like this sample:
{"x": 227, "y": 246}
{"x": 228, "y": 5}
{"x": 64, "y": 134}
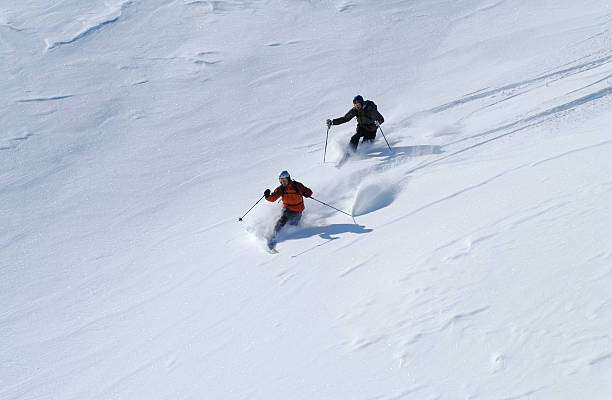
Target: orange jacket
{"x": 292, "y": 198}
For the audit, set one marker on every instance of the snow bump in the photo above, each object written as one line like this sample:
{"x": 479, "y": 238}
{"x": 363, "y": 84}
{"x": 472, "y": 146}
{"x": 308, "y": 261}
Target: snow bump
{"x": 374, "y": 196}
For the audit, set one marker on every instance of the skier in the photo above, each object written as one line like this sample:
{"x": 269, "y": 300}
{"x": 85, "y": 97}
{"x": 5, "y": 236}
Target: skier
{"x": 368, "y": 120}
{"x": 292, "y": 193}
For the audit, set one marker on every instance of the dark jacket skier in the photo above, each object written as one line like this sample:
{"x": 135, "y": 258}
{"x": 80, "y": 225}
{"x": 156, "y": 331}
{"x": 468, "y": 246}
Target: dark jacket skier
{"x": 368, "y": 120}
{"x": 292, "y": 194}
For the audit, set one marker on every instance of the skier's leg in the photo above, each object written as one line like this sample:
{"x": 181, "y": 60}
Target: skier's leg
{"x": 361, "y": 133}
{"x": 369, "y": 136}
{"x": 279, "y": 225}
{"x": 354, "y": 142}
{"x": 294, "y": 217}
{"x": 281, "y": 221}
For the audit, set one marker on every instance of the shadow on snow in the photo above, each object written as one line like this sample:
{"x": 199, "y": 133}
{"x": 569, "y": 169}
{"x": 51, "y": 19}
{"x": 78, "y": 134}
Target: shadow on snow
{"x": 402, "y": 151}
{"x": 327, "y": 232}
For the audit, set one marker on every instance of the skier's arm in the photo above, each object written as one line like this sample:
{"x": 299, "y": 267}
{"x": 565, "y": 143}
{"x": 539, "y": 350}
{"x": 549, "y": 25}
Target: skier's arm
{"x": 274, "y": 195}
{"x": 347, "y": 117}
{"x": 304, "y": 191}
{"x": 378, "y": 117}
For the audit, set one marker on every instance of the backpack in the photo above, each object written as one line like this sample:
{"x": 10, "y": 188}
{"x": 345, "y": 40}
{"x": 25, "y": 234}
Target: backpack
{"x": 369, "y": 105}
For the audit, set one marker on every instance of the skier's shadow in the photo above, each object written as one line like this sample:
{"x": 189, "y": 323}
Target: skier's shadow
{"x": 327, "y": 232}
{"x": 402, "y": 151}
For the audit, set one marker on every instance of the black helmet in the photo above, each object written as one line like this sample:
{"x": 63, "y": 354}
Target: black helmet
{"x": 358, "y": 100}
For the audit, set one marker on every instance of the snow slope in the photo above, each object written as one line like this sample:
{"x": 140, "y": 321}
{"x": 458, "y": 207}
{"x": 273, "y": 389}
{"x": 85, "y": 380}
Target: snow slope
{"x": 136, "y": 133}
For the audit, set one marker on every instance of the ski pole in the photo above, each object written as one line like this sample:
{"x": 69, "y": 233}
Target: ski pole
{"x": 240, "y": 219}
{"x": 325, "y": 204}
{"x": 326, "y": 137}
{"x": 383, "y": 133}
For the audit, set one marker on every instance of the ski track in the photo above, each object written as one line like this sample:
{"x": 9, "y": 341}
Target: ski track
{"x": 584, "y": 67}
{"x": 354, "y": 268}
{"x": 571, "y": 152}
{"x": 539, "y": 116}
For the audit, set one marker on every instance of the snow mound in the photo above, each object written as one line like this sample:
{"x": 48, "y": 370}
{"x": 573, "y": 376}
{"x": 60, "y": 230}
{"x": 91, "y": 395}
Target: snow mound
{"x": 372, "y": 196}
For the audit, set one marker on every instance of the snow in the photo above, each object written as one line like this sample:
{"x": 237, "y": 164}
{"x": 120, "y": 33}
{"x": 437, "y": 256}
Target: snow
{"x": 479, "y": 261}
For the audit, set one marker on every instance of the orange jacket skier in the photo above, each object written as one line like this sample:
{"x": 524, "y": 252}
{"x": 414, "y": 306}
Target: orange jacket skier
{"x": 292, "y": 193}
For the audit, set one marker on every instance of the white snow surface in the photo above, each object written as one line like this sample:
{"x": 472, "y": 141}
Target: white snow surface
{"x": 135, "y": 133}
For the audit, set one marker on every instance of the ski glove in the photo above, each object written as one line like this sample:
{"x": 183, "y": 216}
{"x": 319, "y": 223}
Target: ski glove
{"x": 267, "y": 193}
{"x": 305, "y": 194}
{"x": 329, "y": 123}
{"x": 377, "y": 123}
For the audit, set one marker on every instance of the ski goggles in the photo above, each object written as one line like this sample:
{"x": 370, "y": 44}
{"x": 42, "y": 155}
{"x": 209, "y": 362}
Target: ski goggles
{"x": 357, "y": 105}
{"x": 283, "y": 180}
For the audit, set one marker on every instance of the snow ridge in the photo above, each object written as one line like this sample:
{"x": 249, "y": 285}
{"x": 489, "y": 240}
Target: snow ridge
{"x": 91, "y": 25}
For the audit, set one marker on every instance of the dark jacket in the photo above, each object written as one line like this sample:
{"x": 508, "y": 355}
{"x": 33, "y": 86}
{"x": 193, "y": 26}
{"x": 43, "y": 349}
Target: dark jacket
{"x": 292, "y": 195}
{"x": 366, "y": 117}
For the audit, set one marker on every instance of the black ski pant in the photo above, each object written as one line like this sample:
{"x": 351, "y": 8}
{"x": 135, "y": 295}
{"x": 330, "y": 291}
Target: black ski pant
{"x": 367, "y": 136}
{"x": 293, "y": 217}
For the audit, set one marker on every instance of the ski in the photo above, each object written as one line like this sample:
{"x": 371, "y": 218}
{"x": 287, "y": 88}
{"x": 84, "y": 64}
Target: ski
{"x": 272, "y": 246}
